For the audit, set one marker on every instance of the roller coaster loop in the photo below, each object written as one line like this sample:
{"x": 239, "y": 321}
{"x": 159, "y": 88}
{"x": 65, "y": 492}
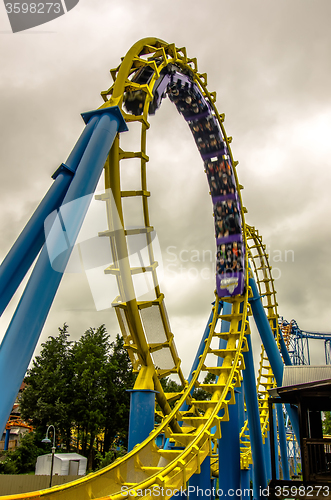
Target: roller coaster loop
{"x": 222, "y": 430}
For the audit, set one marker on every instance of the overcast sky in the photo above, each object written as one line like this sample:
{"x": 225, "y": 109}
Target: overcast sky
{"x": 269, "y": 62}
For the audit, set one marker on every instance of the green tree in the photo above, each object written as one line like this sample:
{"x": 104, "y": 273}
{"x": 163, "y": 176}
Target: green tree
{"x": 81, "y": 388}
{"x": 90, "y": 359}
{"x": 119, "y": 378}
{"x": 327, "y": 423}
{"x": 170, "y": 385}
{"x": 49, "y": 393}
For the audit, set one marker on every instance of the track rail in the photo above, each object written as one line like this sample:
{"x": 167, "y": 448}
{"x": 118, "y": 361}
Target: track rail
{"x": 262, "y": 270}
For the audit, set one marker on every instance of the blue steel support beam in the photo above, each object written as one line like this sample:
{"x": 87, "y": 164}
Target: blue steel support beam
{"x": 282, "y": 432}
{"x": 259, "y": 473}
{"x": 141, "y": 421}
{"x": 27, "y": 246}
{"x": 266, "y": 334}
{"x": 283, "y": 349}
{"x": 271, "y": 348}
{"x": 281, "y": 423}
{"x": 229, "y": 454}
{"x": 327, "y": 349}
{"x": 245, "y": 486}
{"x": 275, "y": 440}
{"x": 200, "y": 484}
{"x": 32, "y": 310}
{"x": 7, "y": 439}
{"x": 267, "y": 457}
{"x": 282, "y": 441}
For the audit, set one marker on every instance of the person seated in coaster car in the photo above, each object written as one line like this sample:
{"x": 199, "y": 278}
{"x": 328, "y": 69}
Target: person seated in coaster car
{"x": 219, "y": 210}
{"x": 226, "y": 185}
{"x": 210, "y": 170}
{"x": 197, "y": 104}
{"x": 230, "y": 224}
{"x": 220, "y": 266}
{"x": 202, "y": 146}
{"x": 196, "y": 127}
{"x": 214, "y": 143}
{"x": 214, "y": 188}
{"x": 221, "y": 230}
{"x": 228, "y": 267}
{"x": 134, "y": 102}
{"x": 221, "y": 253}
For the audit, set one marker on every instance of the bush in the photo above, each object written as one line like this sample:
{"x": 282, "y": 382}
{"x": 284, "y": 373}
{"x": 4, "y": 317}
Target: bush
{"x": 7, "y": 466}
{"x": 102, "y": 460}
{"x": 23, "y": 459}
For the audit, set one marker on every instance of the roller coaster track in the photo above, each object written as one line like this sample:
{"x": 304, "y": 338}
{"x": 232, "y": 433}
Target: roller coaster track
{"x": 265, "y": 380}
{"x": 145, "y": 325}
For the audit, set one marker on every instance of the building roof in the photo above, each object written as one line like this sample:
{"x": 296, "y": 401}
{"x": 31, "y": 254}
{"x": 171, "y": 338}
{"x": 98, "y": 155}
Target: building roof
{"x": 67, "y": 456}
{"x": 311, "y": 384}
{"x": 303, "y": 374}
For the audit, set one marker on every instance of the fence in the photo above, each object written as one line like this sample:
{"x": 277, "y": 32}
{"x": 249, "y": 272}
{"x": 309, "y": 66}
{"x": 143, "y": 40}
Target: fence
{"x": 12, "y": 484}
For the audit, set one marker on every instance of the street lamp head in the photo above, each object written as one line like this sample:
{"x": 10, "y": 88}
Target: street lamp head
{"x": 46, "y": 438}
{"x": 48, "y": 441}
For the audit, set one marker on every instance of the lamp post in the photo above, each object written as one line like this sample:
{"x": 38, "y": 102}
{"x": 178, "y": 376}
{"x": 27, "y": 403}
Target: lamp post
{"x": 47, "y": 440}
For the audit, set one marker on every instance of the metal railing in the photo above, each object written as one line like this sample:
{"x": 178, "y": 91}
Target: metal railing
{"x": 316, "y": 458}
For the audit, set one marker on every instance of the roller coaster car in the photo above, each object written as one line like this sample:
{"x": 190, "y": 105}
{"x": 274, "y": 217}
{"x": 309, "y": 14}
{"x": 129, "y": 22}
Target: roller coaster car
{"x": 188, "y": 99}
{"x": 160, "y": 88}
{"x": 182, "y": 90}
{"x": 134, "y": 100}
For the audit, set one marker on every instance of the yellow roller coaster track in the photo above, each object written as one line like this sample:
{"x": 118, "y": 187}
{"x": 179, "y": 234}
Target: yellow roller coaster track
{"x": 145, "y": 324}
{"x": 259, "y": 260}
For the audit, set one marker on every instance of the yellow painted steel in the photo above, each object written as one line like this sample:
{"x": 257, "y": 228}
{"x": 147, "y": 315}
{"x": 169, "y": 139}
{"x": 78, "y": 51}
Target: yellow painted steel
{"x": 148, "y": 470}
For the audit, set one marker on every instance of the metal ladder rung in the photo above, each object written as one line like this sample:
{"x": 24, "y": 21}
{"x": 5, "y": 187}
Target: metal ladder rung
{"x": 134, "y": 270}
{"x": 128, "y": 232}
{"x": 221, "y": 353}
{"x": 125, "y": 194}
{"x": 126, "y": 155}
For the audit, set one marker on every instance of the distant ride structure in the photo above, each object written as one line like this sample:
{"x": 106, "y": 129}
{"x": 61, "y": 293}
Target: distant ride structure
{"x": 224, "y": 432}
{"x": 297, "y": 342}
